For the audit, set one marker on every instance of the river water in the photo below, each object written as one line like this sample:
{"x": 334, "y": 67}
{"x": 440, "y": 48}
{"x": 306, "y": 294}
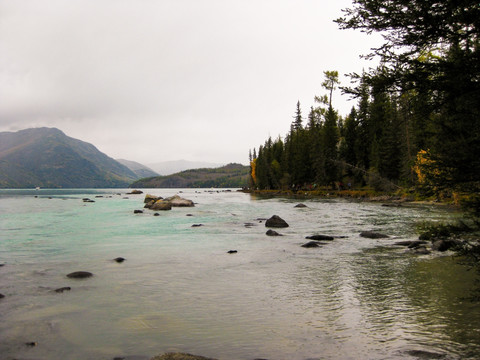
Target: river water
{"x": 179, "y": 289}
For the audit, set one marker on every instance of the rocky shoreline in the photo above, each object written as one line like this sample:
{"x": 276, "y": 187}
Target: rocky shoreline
{"x": 387, "y": 199}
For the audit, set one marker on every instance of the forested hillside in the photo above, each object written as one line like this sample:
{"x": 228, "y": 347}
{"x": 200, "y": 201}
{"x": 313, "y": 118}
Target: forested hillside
{"x": 229, "y": 176}
{"x": 416, "y": 122}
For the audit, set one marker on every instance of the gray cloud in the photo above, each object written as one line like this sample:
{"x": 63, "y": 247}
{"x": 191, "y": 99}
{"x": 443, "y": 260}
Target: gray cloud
{"x": 162, "y": 80}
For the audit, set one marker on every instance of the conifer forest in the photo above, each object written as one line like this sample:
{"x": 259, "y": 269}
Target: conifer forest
{"x": 416, "y": 122}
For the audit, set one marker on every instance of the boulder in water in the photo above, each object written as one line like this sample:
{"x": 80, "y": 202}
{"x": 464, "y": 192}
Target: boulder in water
{"x": 161, "y": 205}
{"x": 271, "y": 232}
{"x": 300, "y": 205}
{"x": 373, "y": 235}
{"x": 119, "y": 259}
{"x": 444, "y": 244}
{"x": 178, "y": 201}
{"x": 62, "y": 289}
{"x": 80, "y": 275}
{"x": 311, "y": 244}
{"x": 135, "y": 192}
{"x": 153, "y": 198}
{"x": 320, "y": 237}
{"x": 276, "y": 222}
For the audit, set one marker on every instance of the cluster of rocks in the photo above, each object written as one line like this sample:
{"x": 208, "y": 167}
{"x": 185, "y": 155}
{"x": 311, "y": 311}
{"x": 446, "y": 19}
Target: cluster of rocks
{"x": 420, "y": 247}
{"x": 158, "y": 203}
{"x": 423, "y": 247}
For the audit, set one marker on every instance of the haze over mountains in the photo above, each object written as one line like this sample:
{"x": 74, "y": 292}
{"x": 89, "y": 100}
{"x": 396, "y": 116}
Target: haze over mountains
{"x": 46, "y": 157}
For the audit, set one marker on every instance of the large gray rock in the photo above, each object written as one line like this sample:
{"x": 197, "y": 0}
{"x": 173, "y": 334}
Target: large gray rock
{"x": 276, "y": 222}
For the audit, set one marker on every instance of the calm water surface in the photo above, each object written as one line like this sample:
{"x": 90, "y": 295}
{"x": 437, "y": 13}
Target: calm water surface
{"x": 179, "y": 290}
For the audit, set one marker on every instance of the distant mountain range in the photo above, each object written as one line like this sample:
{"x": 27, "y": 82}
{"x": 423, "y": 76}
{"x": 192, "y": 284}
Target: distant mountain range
{"x": 140, "y": 170}
{"x": 46, "y": 157}
{"x": 228, "y": 176}
{"x": 176, "y": 166}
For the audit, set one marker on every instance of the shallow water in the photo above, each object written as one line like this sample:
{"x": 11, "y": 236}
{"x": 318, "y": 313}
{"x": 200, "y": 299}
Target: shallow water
{"x": 179, "y": 290}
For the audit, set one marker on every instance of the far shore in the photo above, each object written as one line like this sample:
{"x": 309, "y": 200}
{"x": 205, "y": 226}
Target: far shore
{"x": 356, "y": 195}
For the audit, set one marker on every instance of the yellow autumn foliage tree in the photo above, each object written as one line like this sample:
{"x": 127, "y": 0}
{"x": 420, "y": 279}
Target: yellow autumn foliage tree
{"x": 253, "y": 174}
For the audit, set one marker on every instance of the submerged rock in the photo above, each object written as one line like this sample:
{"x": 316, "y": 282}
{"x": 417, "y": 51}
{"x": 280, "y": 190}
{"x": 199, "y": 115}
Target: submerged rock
{"x": 180, "y": 356}
{"x": 373, "y": 235}
{"x": 271, "y": 232}
{"x": 320, "y": 237}
{"x": 311, "y": 244}
{"x": 411, "y": 244}
{"x": 80, "y": 275}
{"x": 232, "y": 251}
{"x": 62, "y": 289}
{"x": 422, "y": 354}
{"x": 119, "y": 259}
{"x": 276, "y": 222}
{"x": 422, "y": 250}
{"x": 197, "y": 225}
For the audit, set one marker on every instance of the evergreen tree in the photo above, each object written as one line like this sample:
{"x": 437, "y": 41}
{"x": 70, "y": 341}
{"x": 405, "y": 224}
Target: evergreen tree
{"x": 330, "y": 141}
{"x": 347, "y": 150}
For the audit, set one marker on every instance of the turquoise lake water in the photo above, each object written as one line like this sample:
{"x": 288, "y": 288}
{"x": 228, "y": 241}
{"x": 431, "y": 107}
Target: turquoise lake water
{"x": 179, "y": 289}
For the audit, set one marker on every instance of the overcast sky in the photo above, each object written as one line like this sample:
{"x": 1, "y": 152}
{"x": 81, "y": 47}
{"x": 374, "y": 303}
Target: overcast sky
{"x": 159, "y": 80}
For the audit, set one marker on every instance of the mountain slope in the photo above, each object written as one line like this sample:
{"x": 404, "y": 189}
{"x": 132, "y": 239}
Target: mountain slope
{"x": 46, "y": 157}
{"x": 176, "y": 166}
{"x": 229, "y": 176}
{"x": 140, "y": 170}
